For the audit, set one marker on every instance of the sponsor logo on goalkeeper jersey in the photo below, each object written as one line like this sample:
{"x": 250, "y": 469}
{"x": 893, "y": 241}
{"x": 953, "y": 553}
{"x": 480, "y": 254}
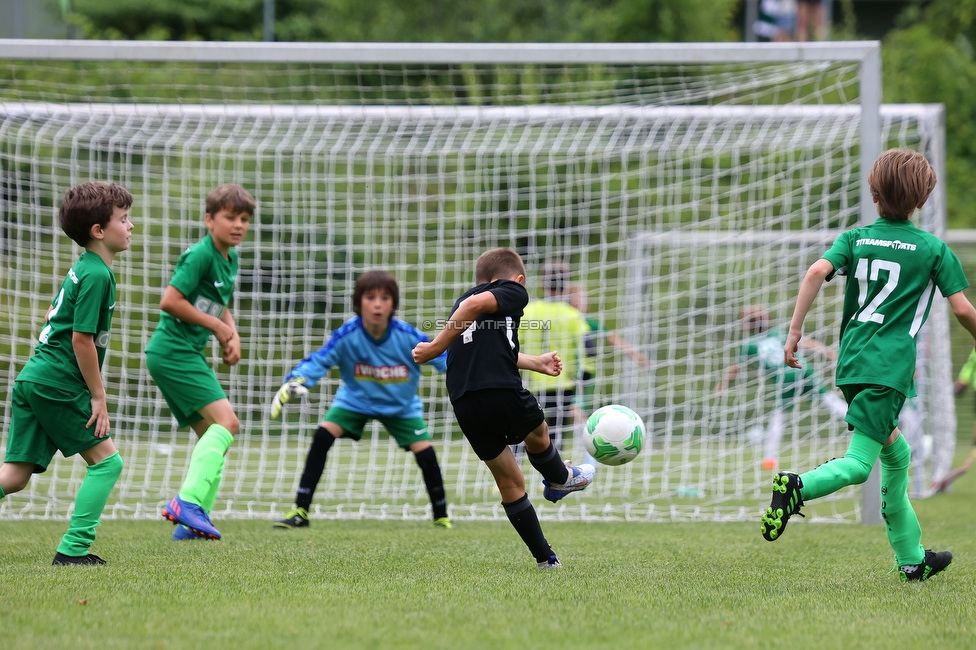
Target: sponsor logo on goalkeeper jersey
{"x": 383, "y": 374}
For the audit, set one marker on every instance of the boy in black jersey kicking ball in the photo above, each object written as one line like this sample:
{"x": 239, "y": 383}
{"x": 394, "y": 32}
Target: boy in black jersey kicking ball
{"x": 492, "y": 407}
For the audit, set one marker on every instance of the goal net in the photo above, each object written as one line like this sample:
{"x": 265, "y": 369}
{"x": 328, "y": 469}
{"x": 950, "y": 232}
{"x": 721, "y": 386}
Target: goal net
{"x": 681, "y": 183}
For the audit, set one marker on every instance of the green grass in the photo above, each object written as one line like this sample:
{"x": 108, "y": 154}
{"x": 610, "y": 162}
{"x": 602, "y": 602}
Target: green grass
{"x": 372, "y": 584}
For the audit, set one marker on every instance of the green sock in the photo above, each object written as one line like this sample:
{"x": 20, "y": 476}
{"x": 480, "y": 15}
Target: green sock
{"x": 853, "y": 469}
{"x": 901, "y": 524}
{"x": 2, "y": 493}
{"x": 212, "y": 494}
{"x": 89, "y": 505}
{"x": 206, "y": 465}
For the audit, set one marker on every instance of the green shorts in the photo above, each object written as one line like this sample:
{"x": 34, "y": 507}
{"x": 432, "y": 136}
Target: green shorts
{"x": 187, "y": 383}
{"x": 873, "y": 410}
{"x": 404, "y": 430}
{"x": 44, "y": 420}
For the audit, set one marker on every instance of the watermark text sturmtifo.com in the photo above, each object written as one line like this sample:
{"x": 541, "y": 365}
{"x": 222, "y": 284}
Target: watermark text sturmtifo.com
{"x": 441, "y": 323}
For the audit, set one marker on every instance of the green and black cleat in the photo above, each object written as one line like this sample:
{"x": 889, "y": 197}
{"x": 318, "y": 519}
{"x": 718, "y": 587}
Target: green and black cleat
{"x": 932, "y": 564}
{"x": 785, "y": 503}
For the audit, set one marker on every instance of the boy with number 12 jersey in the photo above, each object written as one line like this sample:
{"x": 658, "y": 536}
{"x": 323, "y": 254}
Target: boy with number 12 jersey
{"x": 373, "y": 352}
{"x": 893, "y": 272}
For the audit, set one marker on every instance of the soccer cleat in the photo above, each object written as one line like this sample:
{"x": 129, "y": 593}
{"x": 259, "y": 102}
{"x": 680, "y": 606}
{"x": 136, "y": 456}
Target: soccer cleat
{"x": 183, "y": 534}
{"x": 443, "y": 522}
{"x": 69, "y": 560}
{"x": 551, "y": 563}
{"x": 296, "y": 518}
{"x": 932, "y": 564}
{"x": 786, "y": 502}
{"x": 579, "y": 478}
{"x": 192, "y": 516}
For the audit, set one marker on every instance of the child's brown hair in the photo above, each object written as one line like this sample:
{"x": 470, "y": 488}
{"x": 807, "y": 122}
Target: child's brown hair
{"x": 90, "y": 204}
{"x": 498, "y": 263}
{"x": 230, "y": 197}
{"x": 372, "y": 281}
{"x": 900, "y": 181}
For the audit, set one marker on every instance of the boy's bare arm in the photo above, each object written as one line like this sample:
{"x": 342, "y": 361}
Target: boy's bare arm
{"x": 809, "y": 289}
{"x": 730, "y": 374}
{"x": 87, "y": 356}
{"x": 466, "y": 313}
{"x": 176, "y": 305}
{"x": 964, "y": 311}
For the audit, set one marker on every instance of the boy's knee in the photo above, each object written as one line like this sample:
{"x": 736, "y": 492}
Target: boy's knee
{"x": 897, "y": 455}
{"x": 111, "y": 466}
{"x": 426, "y": 457}
{"x": 12, "y": 484}
{"x": 859, "y": 470}
{"x": 230, "y": 422}
{"x": 14, "y": 477}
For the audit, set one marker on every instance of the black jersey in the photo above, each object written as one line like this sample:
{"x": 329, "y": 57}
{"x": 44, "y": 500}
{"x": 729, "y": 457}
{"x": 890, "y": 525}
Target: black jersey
{"x": 486, "y": 354}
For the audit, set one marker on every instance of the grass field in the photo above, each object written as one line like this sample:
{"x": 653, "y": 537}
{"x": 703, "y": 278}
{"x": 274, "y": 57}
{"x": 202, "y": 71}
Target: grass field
{"x": 370, "y": 584}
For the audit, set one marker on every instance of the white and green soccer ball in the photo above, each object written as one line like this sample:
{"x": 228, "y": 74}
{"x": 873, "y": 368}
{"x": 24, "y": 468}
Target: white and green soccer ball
{"x": 614, "y": 435}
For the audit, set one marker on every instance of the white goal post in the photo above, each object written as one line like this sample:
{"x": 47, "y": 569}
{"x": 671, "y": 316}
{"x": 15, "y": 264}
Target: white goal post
{"x": 682, "y": 182}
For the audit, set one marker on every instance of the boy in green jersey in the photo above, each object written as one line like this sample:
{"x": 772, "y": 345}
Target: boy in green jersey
{"x": 194, "y": 305}
{"x": 763, "y": 349}
{"x": 894, "y": 269}
{"x": 58, "y": 399}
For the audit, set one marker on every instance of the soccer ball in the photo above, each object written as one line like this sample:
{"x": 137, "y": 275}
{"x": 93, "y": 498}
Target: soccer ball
{"x": 614, "y": 435}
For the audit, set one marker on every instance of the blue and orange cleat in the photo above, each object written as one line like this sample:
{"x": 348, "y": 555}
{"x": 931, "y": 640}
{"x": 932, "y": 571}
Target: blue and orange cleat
{"x": 192, "y": 516}
{"x": 183, "y": 534}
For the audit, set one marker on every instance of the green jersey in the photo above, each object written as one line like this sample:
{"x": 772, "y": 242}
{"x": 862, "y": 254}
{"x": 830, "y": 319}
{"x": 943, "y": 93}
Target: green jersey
{"x": 207, "y": 280}
{"x": 893, "y": 270}
{"x": 551, "y": 325}
{"x": 85, "y": 303}
{"x": 766, "y": 350}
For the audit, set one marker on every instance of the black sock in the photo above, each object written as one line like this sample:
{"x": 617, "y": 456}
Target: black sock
{"x": 526, "y": 523}
{"x": 427, "y": 460}
{"x": 550, "y": 465}
{"x": 314, "y": 466}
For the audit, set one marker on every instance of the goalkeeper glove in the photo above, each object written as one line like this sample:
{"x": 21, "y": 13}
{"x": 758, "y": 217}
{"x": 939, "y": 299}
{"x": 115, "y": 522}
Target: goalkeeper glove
{"x": 294, "y": 387}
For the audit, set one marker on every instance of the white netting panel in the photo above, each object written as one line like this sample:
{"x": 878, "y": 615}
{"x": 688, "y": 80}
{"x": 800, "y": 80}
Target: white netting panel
{"x": 673, "y": 217}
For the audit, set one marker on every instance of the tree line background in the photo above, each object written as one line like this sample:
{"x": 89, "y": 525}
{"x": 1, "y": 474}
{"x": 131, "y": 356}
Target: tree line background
{"x": 928, "y": 57}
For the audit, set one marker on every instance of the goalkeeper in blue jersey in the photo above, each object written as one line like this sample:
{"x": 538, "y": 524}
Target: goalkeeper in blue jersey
{"x": 379, "y": 382}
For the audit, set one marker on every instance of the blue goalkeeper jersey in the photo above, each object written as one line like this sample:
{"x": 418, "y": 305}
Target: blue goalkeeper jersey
{"x": 379, "y": 377}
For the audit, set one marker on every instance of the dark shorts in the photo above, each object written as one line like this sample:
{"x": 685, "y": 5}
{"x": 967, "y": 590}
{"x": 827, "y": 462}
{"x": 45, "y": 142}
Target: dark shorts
{"x": 493, "y": 419}
{"x": 873, "y": 410}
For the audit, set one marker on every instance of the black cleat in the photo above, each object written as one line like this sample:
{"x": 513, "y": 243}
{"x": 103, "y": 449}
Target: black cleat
{"x": 786, "y": 502}
{"x": 69, "y": 560}
{"x": 932, "y": 564}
